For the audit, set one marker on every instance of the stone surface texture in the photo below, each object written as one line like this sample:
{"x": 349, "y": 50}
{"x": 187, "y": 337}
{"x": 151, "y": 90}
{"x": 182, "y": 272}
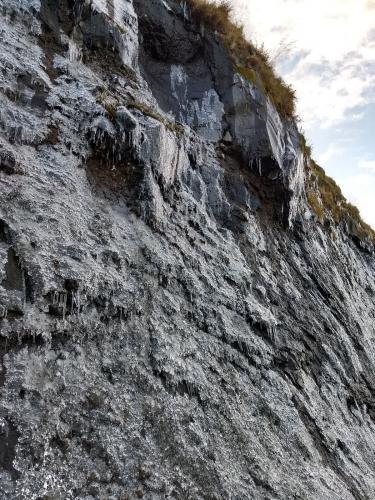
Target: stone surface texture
{"x": 174, "y": 322}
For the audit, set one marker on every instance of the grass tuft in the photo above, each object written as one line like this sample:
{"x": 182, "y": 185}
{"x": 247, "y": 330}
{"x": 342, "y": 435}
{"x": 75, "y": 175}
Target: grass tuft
{"x": 148, "y": 111}
{"x": 247, "y": 73}
{"x": 326, "y": 199}
{"x": 305, "y": 147}
{"x": 252, "y": 62}
{"x": 109, "y": 102}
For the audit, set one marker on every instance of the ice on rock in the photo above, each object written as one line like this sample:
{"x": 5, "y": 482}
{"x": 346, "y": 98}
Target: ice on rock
{"x": 163, "y": 314}
{"x": 122, "y": 22}
{"x": 75, "y": 52}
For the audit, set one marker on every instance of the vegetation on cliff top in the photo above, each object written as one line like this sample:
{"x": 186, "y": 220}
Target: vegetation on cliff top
{"x": 252, "y": 62}
{"x": 326, "y": 199}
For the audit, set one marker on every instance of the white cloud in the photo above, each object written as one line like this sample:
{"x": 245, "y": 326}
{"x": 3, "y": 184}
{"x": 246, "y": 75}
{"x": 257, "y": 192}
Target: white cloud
{"x": 335, "y": 73}
{"x": 367, "y": 165}
{"x": 360, "y": 189}
{"x": 333, "y": 151}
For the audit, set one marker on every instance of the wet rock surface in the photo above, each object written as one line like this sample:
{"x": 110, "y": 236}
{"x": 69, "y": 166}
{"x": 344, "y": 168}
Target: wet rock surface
{"x": 173, "y": 321}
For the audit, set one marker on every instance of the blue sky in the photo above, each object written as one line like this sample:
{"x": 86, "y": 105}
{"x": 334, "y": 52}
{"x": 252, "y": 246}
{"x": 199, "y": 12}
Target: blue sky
{"x": 326, "y": 50}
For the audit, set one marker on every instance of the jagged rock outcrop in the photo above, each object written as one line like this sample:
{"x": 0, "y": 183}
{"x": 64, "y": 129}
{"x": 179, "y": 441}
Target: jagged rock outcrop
{"x": 174, "y": 323}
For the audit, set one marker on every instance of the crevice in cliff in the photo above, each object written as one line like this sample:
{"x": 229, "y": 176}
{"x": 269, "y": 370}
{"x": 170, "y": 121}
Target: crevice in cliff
{"x": 5, "y": 233}
{"x": 268, "y": 196}
{"x": 180, "y": 387}
{"x": 17, "y": 280}
{"x": 49, "y": 40}
{"x": 119, "y": 179}
{"x": 14, "y": 275}
{"x": 9, "y": 437}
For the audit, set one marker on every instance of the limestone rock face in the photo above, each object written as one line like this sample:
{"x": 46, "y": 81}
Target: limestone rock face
{"x": 173, "y": 322}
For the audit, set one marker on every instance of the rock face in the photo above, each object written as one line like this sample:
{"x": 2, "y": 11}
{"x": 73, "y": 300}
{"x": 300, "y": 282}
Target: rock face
{"x": 174, "y": 322}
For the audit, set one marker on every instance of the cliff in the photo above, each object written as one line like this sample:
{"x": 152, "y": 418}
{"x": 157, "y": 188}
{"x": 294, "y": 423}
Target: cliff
{"x": 175, "y": 321}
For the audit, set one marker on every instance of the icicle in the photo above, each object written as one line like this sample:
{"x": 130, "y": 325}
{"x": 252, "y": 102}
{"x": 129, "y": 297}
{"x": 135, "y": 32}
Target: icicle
{"x": 75, "y": 53}
{"x": 78, "y": 302}
{"x": 72, "y": 304}
{"x": 355, "y": 401}
{"x": 3, "y": 312}
{"x": 63, "y": 297}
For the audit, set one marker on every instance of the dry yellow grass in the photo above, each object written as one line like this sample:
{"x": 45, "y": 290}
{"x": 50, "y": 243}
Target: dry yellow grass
{"x": 250, "y": 61}
{"x": 326, "y": 199}
{"x": 253, "y": 63}
{"x": 148, "y": 111}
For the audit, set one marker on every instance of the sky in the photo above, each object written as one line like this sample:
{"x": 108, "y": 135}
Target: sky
{"x": 326, "y": 50}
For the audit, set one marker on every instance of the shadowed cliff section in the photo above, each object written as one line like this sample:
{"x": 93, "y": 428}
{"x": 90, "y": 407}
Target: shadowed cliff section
{"x": 193, "y": 74}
